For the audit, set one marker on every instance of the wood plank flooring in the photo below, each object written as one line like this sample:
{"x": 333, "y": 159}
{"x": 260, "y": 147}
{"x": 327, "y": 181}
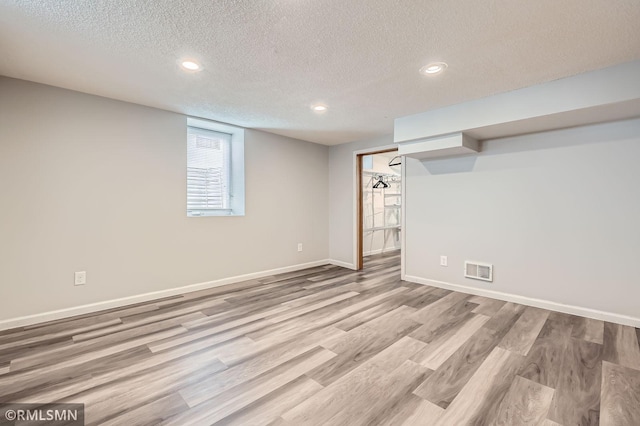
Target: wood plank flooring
{"x": 329, "y": 346}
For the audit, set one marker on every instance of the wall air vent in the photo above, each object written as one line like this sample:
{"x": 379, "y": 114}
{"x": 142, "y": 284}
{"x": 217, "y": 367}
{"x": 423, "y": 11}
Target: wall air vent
{"x": 478, "y": 271}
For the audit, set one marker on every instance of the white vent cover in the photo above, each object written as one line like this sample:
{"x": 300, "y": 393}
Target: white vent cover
{"x": 478, "y": 271}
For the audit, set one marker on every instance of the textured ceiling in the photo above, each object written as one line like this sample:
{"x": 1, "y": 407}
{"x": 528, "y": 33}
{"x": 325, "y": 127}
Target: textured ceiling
{"x": 266, "y": 61}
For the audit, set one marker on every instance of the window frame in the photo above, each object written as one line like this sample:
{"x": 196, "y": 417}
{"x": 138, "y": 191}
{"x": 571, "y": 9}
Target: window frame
{"x": 236, "y": 173}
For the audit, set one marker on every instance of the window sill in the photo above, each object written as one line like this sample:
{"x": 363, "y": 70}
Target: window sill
{"x": 209, "y": 213}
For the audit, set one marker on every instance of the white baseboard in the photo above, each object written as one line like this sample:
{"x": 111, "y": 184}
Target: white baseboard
{"x": 146, "y": 297}
{"x": 538, "y": 303}
{"x": 342, "y": 264}
{"x": 378, "y": 251}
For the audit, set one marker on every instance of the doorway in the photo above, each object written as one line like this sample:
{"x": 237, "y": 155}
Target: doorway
{"x": 379, "y": 203}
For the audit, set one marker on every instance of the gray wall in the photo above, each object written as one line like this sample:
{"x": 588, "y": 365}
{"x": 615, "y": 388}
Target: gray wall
{"x": 557, "y": 213}
{"x": 89, "y": 183}
{"x": 93, "y": 184}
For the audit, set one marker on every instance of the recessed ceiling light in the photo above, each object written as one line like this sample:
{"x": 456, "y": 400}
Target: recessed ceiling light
{"x": 433, "y": 68}
{"x": 319, "y": 108}
{"x": 190, "y": 65}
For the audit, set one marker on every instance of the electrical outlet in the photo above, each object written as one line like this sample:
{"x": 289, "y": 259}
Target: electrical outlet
{"x": 80, "y": 278}
{"x": 443, "y": 261}
{"x": 299, "y": 246}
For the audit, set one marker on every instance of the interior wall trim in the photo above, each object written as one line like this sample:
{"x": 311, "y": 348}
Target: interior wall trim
{"x": 380, "y": 251}
{"x": 355, "y": 181}
{"x": 343, "y": 264}
{"x": 146, "y": 297}
{"x": 537, "y": 303}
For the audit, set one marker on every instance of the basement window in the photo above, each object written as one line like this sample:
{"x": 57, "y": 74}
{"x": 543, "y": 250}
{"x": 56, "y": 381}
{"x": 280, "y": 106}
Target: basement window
{"x": 215, "y": 169}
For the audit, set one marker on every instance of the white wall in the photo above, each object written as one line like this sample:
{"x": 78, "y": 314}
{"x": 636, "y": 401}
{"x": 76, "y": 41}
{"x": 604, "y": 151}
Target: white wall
{"x": 89, "y": 183}
{"x": 557, "y": 213}
{"x": 381, "y": 163}
{"x": 342, "y": 195}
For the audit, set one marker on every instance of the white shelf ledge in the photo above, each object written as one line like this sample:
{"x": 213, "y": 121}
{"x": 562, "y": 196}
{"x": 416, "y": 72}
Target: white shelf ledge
{"x": 380, "y": 228}
{"x": 442, "y": 146}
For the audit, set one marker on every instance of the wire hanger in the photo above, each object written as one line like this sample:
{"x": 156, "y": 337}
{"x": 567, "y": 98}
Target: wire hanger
{"x": 396, "y": 161}
{"x": 380, "y": 183}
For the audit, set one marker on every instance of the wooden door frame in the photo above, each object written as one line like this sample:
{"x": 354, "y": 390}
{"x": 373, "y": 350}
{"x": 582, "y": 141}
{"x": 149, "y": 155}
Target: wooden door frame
{"x": 359, "y": 207}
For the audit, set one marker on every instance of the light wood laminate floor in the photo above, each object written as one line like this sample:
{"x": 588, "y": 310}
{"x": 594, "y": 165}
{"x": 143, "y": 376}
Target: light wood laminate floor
{"x": 329, "y": 346}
